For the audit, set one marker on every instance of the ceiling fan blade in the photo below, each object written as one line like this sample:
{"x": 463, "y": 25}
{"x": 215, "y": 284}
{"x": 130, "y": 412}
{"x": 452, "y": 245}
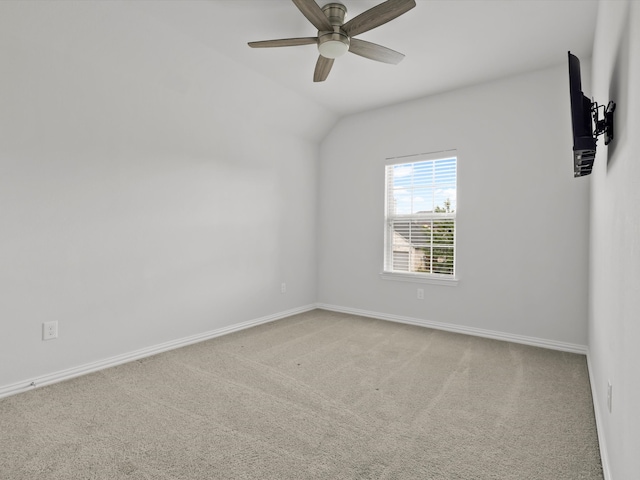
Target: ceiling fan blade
{"x": 284, "y": 42}
{"x": 314, "y": 14}
{"x": 375, "y": 52}
{"x": 323, "y": 67}
{"x": 376, "y": 16}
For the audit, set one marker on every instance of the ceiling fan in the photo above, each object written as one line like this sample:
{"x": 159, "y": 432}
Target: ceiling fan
{"x": 335, "y": 38}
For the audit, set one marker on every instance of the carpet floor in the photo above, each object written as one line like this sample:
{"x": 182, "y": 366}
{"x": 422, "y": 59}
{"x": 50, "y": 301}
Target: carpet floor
{"x": 320, "y": 395}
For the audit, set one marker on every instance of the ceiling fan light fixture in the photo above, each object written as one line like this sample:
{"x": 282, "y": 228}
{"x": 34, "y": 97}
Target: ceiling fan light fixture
{"x": 335, "y": 37}
{"x": 333, "y": 44}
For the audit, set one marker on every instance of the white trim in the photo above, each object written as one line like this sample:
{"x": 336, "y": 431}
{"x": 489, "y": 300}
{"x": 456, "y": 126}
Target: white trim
{"x": 477, "y": 332}
{"x": 67, "y": 374}
{"x": 420, "y": 278}
{"x": 604, "y": 456}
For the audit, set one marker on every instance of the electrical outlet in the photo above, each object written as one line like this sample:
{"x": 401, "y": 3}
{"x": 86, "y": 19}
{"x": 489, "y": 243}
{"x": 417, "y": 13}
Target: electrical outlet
{"x": 609, "y": 394}
{"x": 283, "y": 288}
{"x": 49, "y": 330}
{"x": 420, "y": 294}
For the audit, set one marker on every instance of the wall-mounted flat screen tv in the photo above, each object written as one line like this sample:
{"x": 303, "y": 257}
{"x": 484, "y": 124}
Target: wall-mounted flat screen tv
{"x": 584, "y": 113}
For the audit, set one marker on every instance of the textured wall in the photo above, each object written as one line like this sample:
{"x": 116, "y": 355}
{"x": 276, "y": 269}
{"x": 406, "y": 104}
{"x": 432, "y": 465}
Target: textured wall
{"x": 150, "y": 189}
{"x": 522, "y": 218}
{"x": 614, "y": 308}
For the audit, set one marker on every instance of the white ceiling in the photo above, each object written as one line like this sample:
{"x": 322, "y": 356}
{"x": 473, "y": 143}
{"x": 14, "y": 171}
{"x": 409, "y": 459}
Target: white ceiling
{"x": 448, "y": 44}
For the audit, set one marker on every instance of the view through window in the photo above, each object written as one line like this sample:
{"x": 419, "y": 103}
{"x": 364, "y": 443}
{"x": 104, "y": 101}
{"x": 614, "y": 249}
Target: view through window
{"x": 420, "y": 217}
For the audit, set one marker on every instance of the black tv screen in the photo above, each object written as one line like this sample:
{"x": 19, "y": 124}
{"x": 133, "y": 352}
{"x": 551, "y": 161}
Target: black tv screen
{"x": 584, "y": 143}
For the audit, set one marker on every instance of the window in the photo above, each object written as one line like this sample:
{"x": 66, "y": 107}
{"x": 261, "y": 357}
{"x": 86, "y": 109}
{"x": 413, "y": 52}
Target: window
{"x": 420, "y": 217}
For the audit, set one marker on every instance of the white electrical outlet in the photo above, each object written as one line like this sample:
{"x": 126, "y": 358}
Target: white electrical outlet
{"x": 49, "y": 330}
{"x": 420, "y": 294}
{"x": 609, "y": 394}
{"x": 283, "y": 288}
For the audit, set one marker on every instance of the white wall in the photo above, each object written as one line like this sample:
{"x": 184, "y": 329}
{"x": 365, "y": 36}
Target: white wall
{"x": 142, "y": 203}
{"x": 614, "y": 290}
{"x": 150, "y": 189}
{"x": 522, "y": 244}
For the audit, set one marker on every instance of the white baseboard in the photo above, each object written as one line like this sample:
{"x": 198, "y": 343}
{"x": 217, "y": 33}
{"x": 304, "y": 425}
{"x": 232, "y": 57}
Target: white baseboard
{"x": 478, "y": 332}
{"x": 143, "y": 352}
{"x": 604, "y": 456}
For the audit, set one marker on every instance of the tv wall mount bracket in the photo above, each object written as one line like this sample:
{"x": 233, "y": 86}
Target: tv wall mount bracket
{"x": 604, "y": 125}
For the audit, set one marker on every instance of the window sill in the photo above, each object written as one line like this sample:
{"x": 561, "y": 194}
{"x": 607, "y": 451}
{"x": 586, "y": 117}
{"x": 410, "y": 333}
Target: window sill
{"x": 420, "y": 278}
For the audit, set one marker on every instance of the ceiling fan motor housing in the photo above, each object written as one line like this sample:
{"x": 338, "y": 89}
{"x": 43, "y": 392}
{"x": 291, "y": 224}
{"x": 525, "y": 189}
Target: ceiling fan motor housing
{"x": 335, "y": 37}
{"x": 332, "y": 44}
{"x": 335, "y": 12}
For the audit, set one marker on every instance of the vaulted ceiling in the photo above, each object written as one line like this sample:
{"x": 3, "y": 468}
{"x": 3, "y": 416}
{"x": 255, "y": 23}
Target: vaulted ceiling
{"x": 448, "y": 44}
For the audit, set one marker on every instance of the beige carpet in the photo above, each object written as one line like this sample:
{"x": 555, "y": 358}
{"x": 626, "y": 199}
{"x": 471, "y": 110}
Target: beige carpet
{"x": 319, "y": 395}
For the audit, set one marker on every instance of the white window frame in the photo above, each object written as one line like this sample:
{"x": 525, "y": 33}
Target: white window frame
{"x": 388, "y": 273}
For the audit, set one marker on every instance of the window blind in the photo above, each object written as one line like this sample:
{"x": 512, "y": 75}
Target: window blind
{"x": 420, "y": 217}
